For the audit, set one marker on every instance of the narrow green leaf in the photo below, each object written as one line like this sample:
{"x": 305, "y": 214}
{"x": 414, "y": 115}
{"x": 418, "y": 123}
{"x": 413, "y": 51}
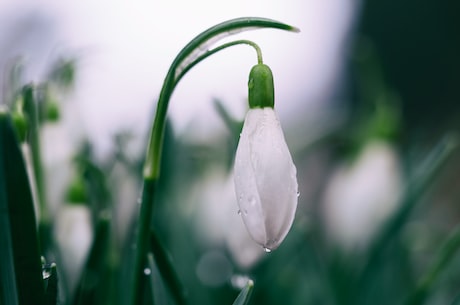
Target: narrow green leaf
{"x": 444, "y": 257}
{"x": 421, "y": 181}
{"x": 20, "y": 264}
{"x": 50, "y": 277}
{"x": 418, "y": 185}
{"x": 165, "y": 266}
{"x": 158, "y": 292}
{"x": 245, "y": 294}
{"x": 30, "y": 108}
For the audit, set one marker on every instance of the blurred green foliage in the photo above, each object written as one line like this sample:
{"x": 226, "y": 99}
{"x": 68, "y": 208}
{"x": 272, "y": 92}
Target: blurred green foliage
{"x": 403, "y": 91}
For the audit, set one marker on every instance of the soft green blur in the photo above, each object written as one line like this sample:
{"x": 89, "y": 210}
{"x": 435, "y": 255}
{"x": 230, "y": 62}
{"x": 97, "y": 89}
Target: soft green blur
{"x": 378, "y": 212}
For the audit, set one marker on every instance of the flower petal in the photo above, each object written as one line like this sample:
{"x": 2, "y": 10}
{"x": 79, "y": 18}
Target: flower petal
{"x": 265, "y": 178}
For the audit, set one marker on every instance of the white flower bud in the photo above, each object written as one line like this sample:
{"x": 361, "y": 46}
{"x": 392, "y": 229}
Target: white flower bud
{"x": 265, "y": 179}
{"x": 361, "y": 196}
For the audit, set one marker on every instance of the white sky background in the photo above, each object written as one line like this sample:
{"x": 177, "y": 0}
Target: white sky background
{"x": 126, "y": 48}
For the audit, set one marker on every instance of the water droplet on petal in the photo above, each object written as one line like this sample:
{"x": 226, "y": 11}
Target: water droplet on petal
{"x": 239, "y": 212}
{"x": 267, "y": 250}
{"x": 298, "y": 194}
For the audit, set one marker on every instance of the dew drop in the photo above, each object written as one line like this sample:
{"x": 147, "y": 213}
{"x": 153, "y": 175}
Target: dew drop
{"x": 267, "y": 250}
{"x": 46, "y": 274}
{"x": 298, "y": 194}
{"x": 239, "y": 212}
{"x": 147, "y": 271}
{"x": 47, "y": 270}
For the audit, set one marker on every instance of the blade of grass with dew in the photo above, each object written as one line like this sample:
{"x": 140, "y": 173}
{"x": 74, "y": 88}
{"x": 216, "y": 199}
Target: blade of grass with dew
{"x": 165, "y": 266}
{"x": 50, "y": 277}
{"x": 418, "y": 185}
{"x": 20, "y": 264}
{"x": 157, "y": 293}
{"x": 245, "y": 294}
{"x": 151, "y": 172}
{"x": 445, "y": 256}
{"x": 94, "y": 284}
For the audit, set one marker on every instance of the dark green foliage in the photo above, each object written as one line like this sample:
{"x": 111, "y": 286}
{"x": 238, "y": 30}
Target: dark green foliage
{"x": 20, "y": 266}
{"x": 96, "y": 279}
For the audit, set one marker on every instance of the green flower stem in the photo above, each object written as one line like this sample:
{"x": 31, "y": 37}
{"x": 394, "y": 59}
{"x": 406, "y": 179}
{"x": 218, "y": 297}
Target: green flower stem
{"x": 220, "y": 48}
{"x": 190, "y": 55}
{"x": 183, "y": 60}
{"x": 142, "y": 239}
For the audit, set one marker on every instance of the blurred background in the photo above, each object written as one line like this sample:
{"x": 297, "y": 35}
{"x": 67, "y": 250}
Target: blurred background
{"x": 364, "y": 93}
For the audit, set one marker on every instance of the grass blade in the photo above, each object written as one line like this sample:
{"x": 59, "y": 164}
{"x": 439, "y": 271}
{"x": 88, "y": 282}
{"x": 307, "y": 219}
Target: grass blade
{"x": 245, "y": 294}
{"x": 418, "y": 185}
{"x": 445, "y": 256}
{"x": 166, "y": 268}
{"x": 20, "y": 264}
{"x": 51, "y": 284}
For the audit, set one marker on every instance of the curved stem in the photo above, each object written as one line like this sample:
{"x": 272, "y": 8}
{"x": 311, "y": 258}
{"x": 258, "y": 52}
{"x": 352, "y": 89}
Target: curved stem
{"x": 191, "y": 54}
{"x": 217, "y": 49}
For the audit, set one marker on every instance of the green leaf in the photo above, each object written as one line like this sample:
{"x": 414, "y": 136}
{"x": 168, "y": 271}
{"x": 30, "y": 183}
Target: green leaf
{"x": 165, "y": 266}
{"x": 245, "y": 294}
{"x": 30, "y": 109}
{"x": 445, "y": 256}
{"x": 50, "y": 277}
{"x": 158, "y": 293}
{"x": 20, "y": 264}
{"x": 426, "y": 175}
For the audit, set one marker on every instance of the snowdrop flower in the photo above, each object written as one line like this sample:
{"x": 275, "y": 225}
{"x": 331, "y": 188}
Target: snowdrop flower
{"x": 361, "y": 196}
{"x": 265, "y": 176}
